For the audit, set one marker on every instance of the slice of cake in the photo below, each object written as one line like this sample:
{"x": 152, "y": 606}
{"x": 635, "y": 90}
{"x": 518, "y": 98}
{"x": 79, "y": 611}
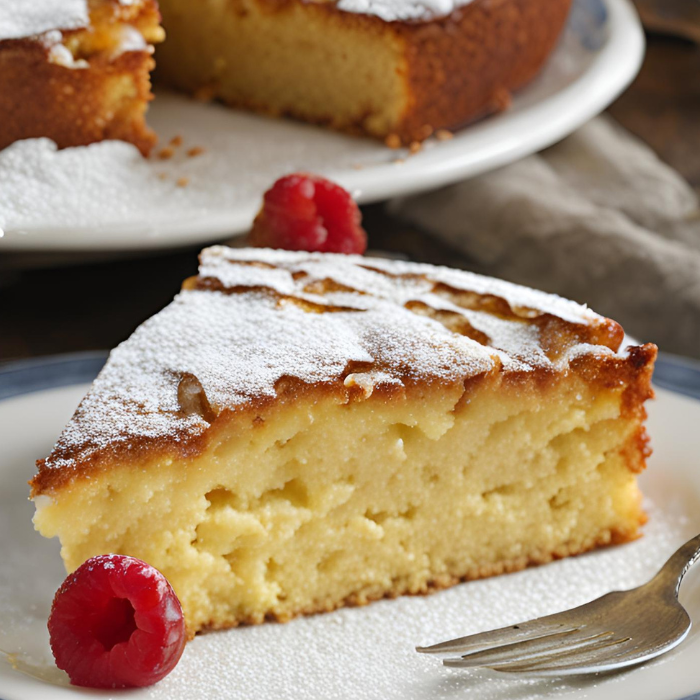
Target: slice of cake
{"x": 77, "y": 72}
{"x": 298, "y": 432}
{"x": 390, "y": 69}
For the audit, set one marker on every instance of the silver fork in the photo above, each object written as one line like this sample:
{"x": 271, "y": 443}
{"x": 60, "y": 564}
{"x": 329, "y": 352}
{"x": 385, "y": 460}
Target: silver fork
{"x": 620, "y": 629}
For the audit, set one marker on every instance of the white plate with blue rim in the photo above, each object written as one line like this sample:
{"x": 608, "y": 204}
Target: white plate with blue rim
{"x": 360, "y": 653}
{"x": 106, "y": 197}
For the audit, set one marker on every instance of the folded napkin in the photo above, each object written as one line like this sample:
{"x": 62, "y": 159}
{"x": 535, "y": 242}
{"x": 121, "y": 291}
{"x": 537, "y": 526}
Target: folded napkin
{"x": 597, "y": 218}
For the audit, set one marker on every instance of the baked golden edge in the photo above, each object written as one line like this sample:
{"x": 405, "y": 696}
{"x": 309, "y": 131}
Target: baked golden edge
{"x": 71, "y": 106}
{"x": 466, "y": 65}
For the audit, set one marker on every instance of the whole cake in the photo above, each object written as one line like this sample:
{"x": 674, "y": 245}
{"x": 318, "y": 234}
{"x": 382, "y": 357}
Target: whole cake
{"x": 299, "y": 431}
{"x": 77, "y": 71}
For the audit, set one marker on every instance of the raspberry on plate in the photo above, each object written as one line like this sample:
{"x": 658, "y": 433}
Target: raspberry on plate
{"x": 116, "y": 622}
{"x": 308, "y": 212}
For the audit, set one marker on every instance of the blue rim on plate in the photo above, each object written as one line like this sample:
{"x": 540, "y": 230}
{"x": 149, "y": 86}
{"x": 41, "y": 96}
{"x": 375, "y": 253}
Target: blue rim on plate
{"x": 673, "y": 373}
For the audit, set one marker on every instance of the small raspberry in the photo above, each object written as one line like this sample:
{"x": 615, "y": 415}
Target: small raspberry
{"x": 307, "y": 212}
{"x": 116, "y": 622}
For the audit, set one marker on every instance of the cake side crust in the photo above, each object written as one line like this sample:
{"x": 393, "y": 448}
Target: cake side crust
{"x": 466, "y": 66}
{"x": 79, "y": 86}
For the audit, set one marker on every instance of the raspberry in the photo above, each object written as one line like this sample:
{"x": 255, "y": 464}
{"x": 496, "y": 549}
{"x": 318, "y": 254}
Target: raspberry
{"x": 307, "y": 212}
{"x": 116, "y": 622}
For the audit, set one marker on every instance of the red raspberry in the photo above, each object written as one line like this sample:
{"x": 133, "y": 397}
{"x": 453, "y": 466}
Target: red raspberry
{"x": 307, "y": 212}
{"x": 116, "y": 622}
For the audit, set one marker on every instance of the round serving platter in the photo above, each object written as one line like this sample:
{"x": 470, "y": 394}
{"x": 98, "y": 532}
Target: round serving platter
{"x": 356, "y": 653}
{"x": 105, "y": 197}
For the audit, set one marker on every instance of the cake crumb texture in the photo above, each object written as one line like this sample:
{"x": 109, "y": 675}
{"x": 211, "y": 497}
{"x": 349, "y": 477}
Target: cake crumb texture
{"x": 360, "y": 71}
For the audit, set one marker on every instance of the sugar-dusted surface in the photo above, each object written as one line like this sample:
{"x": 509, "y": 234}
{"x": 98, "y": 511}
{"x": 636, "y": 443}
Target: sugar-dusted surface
{"x": 254, "y": 317}
{"x": 362, "y": 653}
{"x": 24, "y": 18}
{"x": 393, "y": 10}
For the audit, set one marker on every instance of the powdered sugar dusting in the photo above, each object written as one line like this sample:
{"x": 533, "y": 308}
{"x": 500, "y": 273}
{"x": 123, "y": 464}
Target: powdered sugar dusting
{"x": 254, "y": 317}
{"x": 395, "y": 10}
{"x": 356, "y": 272}
{"x": 25, "y": 18}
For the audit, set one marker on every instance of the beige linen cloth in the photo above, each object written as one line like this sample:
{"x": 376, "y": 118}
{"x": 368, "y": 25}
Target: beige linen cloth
{"x": 597, "y": 218}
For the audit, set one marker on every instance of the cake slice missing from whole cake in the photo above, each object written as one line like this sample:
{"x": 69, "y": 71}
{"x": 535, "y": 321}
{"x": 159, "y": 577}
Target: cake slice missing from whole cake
{"x": 298, "y": 431}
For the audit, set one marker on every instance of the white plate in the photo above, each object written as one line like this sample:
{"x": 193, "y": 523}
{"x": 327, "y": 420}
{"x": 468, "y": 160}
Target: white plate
{"x": 362, "y": 653}
{"x": 105, "y": 197}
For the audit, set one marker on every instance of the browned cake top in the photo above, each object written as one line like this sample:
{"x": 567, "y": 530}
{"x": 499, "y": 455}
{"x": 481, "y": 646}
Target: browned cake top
{"x": 20, "y": 19}
{"x": 253, "y": 318}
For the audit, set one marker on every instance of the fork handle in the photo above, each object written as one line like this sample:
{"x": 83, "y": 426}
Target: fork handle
{"x": 680, "y": 563}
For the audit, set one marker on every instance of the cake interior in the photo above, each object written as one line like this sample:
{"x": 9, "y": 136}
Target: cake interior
{"x": 115, "y": 28}
{"x": 319, "y": 501}
{"x": 287, "y": 59}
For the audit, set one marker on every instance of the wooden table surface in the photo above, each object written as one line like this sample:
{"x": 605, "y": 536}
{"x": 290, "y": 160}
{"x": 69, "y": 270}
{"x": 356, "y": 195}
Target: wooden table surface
{"x": 89, "y": 307}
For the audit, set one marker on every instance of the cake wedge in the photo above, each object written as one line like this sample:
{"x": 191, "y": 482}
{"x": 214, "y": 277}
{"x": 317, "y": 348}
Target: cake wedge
{"x": 300, "y": 431}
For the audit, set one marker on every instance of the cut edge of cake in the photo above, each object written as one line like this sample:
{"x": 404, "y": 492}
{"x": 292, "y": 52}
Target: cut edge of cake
{"x": 355, "y": 71}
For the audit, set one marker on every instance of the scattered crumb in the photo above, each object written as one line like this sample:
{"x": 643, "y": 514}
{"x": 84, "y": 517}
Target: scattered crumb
{"x": 426, "y": 131}
{"x": 204, "y": 93}
{"x": 357, "y": 166}
{"x": 176, "y": 141}
{"x": 162, "y": 176}
{"x": 501, "y": 100}
{"x": 399, "y": 160}
{"x": 166, "y": 153}
{"x": 443, "y": 135}
{"x": 415, "y": 147}
{"x": 195, "y": 151}
{"x": 182, "y": 181}
{"x": 393, "y": 141}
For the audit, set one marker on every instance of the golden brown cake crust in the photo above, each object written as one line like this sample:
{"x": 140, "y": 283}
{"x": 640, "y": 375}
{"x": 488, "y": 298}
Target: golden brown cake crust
{"x": 171, "y": 388}
{"x": 96, "y": 93}
{"x": 466, "y": 65}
